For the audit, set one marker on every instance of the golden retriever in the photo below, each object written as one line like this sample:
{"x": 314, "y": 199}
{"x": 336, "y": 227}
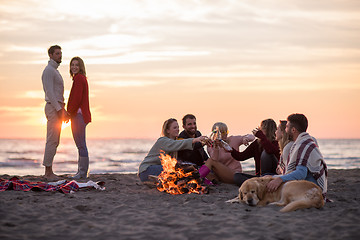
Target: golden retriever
{"x": 292, "y": 195}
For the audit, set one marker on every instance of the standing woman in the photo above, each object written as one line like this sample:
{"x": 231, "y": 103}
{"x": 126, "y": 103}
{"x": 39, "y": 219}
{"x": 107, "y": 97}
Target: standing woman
{"x": 79, "y": 110}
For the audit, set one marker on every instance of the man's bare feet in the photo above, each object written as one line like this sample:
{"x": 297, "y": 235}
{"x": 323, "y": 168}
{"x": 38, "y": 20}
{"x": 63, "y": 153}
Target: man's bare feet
{"x": 50, "y": 175}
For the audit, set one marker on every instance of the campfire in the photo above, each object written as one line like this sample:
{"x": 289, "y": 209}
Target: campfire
{"x": 179, "y": 178}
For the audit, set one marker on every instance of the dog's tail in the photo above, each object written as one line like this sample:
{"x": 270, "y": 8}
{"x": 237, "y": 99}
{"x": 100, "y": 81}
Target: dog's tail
{"x": 298, "y": 204}
{"x": 313, "y": 198}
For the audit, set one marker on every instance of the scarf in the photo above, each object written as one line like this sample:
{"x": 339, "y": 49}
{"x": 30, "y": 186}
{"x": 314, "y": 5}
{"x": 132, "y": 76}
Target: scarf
{"x": 305, "y": 152}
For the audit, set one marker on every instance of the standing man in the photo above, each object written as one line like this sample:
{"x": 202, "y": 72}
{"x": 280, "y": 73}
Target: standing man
{"x": 53, "y": 85}
{"x": 197, "y": 156}
{"x": 305, "y": 161}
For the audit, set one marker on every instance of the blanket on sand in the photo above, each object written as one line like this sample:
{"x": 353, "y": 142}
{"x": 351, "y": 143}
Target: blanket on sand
{"x": 62, "y": 186}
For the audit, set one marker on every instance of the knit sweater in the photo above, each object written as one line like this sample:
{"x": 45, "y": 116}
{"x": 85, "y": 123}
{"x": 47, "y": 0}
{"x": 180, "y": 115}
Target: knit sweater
{"x": 284, "y": 157}
{"x": 53, "y": 85}
{"x": 168, "y": 146}
{"x": 79, "y": 98}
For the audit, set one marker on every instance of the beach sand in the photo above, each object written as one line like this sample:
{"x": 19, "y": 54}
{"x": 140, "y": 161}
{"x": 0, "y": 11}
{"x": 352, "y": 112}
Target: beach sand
{"x": 128, "y": 209}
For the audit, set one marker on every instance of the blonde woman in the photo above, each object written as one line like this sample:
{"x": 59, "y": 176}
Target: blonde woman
{"x": 234, "y": 142}
{"x": 285, "y": 144}
{"x": 167, "y": 143}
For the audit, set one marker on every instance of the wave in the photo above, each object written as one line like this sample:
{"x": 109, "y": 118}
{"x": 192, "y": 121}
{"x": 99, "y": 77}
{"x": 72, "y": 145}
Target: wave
{"x": 20, "y": 164}
{"x": 25, "y": 152}
{"x": 21, "y": 159}
{"x": 134, "y": 151}
{"x": 124, "y": 161}
{"x": 342, "y": 158}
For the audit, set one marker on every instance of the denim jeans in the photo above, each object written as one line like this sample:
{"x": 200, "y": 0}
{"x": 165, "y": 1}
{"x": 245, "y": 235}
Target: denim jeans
{"x": 78, "y": 130}
{"x": 152, "y": 170}
{"x": 268, "y": 163}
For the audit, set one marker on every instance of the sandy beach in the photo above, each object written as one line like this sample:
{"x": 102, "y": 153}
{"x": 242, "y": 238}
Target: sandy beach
{"x": 128, "y": 209}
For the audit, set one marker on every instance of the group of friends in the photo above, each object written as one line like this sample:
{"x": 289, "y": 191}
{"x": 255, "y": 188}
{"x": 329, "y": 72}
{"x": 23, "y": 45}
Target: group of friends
{"x": 284, "y": 150}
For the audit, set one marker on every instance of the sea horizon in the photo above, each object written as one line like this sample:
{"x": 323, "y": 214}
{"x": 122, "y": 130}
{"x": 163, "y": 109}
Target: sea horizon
{"x": 23, "y": 156}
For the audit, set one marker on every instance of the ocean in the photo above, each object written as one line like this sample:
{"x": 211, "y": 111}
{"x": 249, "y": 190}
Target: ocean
{"x": 24, "y": 156}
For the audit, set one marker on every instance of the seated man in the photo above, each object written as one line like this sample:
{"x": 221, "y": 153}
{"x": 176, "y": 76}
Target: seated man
{"x": 198, "y": 155}
{"x": 305, "y": 160}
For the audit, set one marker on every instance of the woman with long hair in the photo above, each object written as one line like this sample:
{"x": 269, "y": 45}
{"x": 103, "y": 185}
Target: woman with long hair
{"x": 167, "y": 143}
{"x": 285, "y": 144}
{"x": 265, "y": 150}
{"x": 79, "y": 110}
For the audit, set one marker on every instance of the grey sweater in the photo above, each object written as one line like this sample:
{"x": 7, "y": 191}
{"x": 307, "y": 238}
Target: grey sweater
{"x": 169, "y": 146}
{"x": 53, "y": 85}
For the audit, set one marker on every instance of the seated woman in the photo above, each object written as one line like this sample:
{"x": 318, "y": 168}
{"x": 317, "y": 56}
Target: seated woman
{"x": 265, "y": 152}
{"x": 167, "y": 143}
{"x": 285, "y": 144}
{"x": 234, "y": 142}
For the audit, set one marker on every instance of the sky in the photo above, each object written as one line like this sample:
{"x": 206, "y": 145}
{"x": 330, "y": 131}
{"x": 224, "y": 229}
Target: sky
{"x": 237, "y": 62}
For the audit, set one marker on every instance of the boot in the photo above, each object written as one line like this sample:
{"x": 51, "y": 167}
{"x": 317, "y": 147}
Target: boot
{"x": 204, "y": 171}
{"x": 83, "y": 168}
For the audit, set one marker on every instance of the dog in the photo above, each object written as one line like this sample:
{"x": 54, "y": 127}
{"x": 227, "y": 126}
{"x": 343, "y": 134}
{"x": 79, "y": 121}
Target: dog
{"x": 293, "y": 195}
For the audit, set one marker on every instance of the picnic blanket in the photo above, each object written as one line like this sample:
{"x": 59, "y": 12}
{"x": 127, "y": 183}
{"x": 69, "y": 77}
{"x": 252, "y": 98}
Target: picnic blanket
{"x": 63, "y": 186}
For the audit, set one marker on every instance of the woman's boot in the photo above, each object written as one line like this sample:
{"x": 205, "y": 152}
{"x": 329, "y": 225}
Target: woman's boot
{"x": 83, "y": 168}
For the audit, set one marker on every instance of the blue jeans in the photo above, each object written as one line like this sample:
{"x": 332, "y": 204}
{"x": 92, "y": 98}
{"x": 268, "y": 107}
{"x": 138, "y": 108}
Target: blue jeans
{"x": 152, "y": 170}
{"x": 78, "y": 130}
{"x": 268, "y": 163}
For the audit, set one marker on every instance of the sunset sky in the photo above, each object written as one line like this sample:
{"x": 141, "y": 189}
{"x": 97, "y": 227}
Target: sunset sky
{"x": 238, "y": 62}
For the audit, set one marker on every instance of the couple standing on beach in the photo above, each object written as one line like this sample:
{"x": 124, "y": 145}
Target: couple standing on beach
{"x": 78, "y": 110}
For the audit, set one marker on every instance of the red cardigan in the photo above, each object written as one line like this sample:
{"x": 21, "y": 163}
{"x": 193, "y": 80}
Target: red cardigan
{"x": 79, "y": 98}
{"x": 255, "y": 149}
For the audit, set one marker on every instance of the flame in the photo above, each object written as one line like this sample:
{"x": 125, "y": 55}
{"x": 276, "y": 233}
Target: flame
{"x": 175, "y": 180}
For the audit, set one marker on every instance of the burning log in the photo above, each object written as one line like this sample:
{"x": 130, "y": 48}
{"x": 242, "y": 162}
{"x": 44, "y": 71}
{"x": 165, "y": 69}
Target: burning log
{"x": 193, "y": 176}
{"x": 184, "y": 167}
{"x": 177, "y": 178}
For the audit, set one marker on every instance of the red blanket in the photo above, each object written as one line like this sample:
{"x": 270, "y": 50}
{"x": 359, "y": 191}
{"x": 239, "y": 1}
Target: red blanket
{"x": 23, "y": 185}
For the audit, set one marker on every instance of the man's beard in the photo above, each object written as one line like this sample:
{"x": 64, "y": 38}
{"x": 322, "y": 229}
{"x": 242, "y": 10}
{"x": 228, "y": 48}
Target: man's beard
{"x": 191, "y": 131}
{"x": 291, "y": 137}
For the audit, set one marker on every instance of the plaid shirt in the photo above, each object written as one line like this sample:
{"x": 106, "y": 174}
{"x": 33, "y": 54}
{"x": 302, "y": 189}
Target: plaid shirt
{"x": 23, "y": 185}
